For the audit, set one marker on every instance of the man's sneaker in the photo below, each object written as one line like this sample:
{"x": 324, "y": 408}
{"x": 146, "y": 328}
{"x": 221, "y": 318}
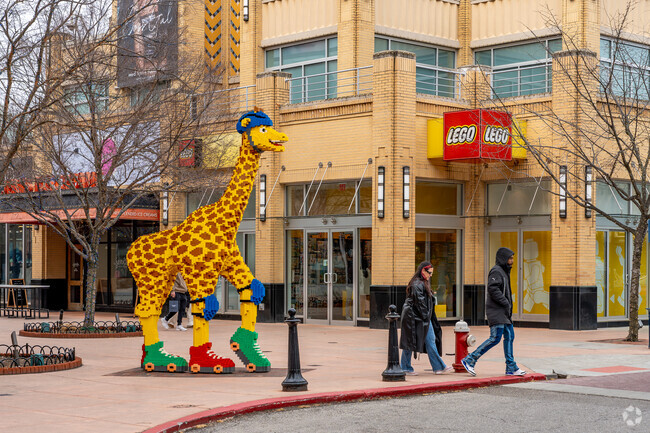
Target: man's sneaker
{"x": 469, "y": 368}
{"x": 519, "y": 372}
{"x": 181, "y": 328}
{"x": 165, "y": 324}
{"x": 410, "y": 373}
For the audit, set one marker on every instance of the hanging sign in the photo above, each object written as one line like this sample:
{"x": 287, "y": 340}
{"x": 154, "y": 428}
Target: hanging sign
{"x": 477, "y": 134}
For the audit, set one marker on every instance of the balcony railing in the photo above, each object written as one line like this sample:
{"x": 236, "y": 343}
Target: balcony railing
{"x": 329, "y": 85}
{"x": 212, "y": 105}
{"x": 438, "y": 81}
{"x": 525, "y": 79}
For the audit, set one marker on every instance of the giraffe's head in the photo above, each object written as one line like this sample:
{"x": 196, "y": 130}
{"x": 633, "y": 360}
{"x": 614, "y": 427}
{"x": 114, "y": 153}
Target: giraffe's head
{"x": 256, "y": 127}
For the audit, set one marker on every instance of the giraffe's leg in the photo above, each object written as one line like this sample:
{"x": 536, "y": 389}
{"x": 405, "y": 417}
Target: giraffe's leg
{"x": 244, "y": 341}
{"x": 202, "y": 358}
{"x": 152, "y": 295}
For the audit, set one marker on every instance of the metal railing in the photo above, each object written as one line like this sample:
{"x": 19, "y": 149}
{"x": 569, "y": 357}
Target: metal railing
{"x": 432, "y": 80}
{"x": 525, "y": 79}
{"x": 220, "y": 102}
{"x": 329, "y": 85}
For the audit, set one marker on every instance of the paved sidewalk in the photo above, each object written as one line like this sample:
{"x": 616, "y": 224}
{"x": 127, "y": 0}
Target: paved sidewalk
{"x": 111, "y": 394}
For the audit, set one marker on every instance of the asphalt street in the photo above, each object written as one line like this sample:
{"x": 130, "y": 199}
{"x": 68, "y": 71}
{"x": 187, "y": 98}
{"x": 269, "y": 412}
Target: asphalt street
{"x": 503, "y": 409}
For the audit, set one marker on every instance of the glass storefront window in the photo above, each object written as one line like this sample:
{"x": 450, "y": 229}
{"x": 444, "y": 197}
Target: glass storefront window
{"x": 102, "y": 275}
{"x": 28, "y": 254}
{"x": 246, "y": 245}
{"x": 601, "y": 272}
{"x": 616, "y": 293}
{"x": 365, "y": 272}
{"x": 121, "y": 280}
{"x": 334, "y": 198}
{"x": 437, "y": 198}
{"x": 610, "y": 201}
{"x": 295, "y": 269}
{"x": 15, "y": 247}
{"x": 440, "y": 248}
{"x": 507, "y": 240}
{"x": 536, "y": 277}
{"x": 643, "y": 280}
{"x": 3, "y": 253}
{"x": 202, "y": 198}
{"x": 516, "y": 198}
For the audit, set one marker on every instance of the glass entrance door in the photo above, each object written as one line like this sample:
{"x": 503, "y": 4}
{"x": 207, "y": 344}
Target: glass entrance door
{"x": 330, "y": 277}
{"x": 75, "y": 281}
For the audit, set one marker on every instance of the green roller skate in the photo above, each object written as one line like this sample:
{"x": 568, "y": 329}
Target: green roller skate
{"x": 244, "y": 343}
{"x": 154, "y": 358}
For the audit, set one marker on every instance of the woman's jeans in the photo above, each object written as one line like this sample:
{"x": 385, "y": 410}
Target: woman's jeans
{"x": 496, "y": 331}
{"x": 434, "y": 357}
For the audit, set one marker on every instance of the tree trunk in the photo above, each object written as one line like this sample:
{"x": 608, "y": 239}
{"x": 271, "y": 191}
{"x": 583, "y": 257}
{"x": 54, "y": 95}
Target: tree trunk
{"x": 633, "y": 303}
{"x": 91, "y": 289}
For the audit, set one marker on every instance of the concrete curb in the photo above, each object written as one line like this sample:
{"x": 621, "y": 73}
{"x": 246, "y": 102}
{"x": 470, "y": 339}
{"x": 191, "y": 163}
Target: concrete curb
{"x": 334, "y": 397}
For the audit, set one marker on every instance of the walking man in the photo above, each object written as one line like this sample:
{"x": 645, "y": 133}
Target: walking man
{"x": 498, "y": 307}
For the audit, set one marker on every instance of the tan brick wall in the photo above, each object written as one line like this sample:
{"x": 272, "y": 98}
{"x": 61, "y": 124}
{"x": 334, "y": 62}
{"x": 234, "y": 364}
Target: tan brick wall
{"x": 393, "y": 236}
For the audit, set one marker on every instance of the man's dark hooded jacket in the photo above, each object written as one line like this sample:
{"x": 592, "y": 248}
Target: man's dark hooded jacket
{"x": 498, "y": 303}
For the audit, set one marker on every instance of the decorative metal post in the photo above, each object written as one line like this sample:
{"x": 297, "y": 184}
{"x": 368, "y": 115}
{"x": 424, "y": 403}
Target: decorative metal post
{"x": 118, "y": 322}
{"x": 294, "y": 380}
{"x": 14, "y": 343}
{"x": 393, "y": 372}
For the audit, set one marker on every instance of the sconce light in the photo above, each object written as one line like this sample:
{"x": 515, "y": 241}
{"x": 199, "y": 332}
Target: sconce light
{"x": 262, "y": 197}
{"x": 563, "y": 174}
{"x": 381, "y": 172}
{"x": 588, "y": 186}
{"x": 165, "y": 204}
{"x": 406, "y": 187}
{"x": 245, "y": 10}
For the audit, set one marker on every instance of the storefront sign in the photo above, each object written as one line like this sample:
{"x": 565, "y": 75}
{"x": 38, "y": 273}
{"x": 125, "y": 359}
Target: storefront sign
{"x": 190, "y": 151}
{"x": 477, "y": 134}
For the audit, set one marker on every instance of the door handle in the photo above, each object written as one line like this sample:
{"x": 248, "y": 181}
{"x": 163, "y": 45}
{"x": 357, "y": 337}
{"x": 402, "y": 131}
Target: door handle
{"x": 326, "y": 280}
{"x": 336, "y": 277}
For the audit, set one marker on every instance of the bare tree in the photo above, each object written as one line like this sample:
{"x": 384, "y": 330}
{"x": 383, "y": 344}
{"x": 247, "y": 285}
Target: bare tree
{"x": 602, "y": 133}
{"x": 99, "y": 149}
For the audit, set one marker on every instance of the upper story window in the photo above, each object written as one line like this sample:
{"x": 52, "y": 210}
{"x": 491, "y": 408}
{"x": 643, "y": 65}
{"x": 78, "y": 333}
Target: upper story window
{"x": 433, "y": 66}
{"x": 625, "y": 68}
{"x": 148, "y": 93}
{"x": 334, "y": 198}
{"x": 523, "y": 69}
{"x": 79, "y": 99}
{"x": 204, "y": 197}
{"x": 312, "y": 66}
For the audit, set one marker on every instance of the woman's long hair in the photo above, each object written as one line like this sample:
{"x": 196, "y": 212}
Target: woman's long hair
{"x": 418, "y": 276}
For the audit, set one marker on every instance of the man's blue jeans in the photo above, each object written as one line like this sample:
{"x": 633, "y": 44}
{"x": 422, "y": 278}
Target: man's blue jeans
{"x": 434, "y": 358}
{"x": 496, "y": 331}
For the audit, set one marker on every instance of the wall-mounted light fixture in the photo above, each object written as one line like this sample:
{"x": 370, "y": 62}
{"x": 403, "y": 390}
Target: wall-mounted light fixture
{"x": 588, "y": 189}
{"x": 406, "y": 192}
{"x": 245, "y": 10}
{"x": 262, "y": 197}
{"x": 381, "y": 173}
{"x": 563, "y": 181}
{"x": 165, "y": 204}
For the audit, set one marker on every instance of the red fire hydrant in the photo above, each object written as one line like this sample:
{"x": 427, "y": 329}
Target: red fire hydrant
{"x": 463, "y": 341}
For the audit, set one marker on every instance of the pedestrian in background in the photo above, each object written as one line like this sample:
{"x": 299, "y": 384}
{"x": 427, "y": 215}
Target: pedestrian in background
{"x": 418, "y": 315}
{"x": 179, "y": 293}
{"x": 498, "y": 308}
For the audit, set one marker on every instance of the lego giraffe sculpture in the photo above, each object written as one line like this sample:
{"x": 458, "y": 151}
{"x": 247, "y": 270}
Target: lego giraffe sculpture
{"x": 201, "y": 248}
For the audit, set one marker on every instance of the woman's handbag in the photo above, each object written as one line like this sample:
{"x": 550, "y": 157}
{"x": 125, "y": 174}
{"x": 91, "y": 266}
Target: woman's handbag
{"x": 173, "y": 305}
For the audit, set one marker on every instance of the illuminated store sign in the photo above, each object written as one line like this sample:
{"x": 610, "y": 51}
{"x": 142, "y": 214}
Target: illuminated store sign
{"x": 477, "y": 134}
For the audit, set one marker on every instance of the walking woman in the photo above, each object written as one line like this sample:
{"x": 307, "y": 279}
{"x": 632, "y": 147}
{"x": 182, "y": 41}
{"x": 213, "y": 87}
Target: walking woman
{"x": 418, "y": 315}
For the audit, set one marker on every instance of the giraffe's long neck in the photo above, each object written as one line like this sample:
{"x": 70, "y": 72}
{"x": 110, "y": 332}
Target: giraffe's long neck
{"x": 236, "y": 196}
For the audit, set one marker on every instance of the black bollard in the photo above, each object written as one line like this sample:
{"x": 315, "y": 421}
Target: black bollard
{"x": 294, "y": 380}
{"x": 14, "y": 343}
{"x": 393, "y": 372}
{"x": 118, "y": 323}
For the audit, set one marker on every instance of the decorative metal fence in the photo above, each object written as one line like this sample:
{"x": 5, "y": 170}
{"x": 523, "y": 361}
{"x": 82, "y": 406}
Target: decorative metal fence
{"x": 438, "y": 81}
{"x": 526, "y": 79}
{"x": 104, "y": 327}
{"x": 12, "y": 356}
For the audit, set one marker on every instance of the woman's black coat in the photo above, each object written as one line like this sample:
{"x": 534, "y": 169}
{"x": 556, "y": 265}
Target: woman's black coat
{"x": 417, "y": 312}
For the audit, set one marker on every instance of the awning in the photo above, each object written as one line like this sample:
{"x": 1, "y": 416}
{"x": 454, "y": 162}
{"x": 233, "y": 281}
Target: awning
{"x": 129, "y": 214}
